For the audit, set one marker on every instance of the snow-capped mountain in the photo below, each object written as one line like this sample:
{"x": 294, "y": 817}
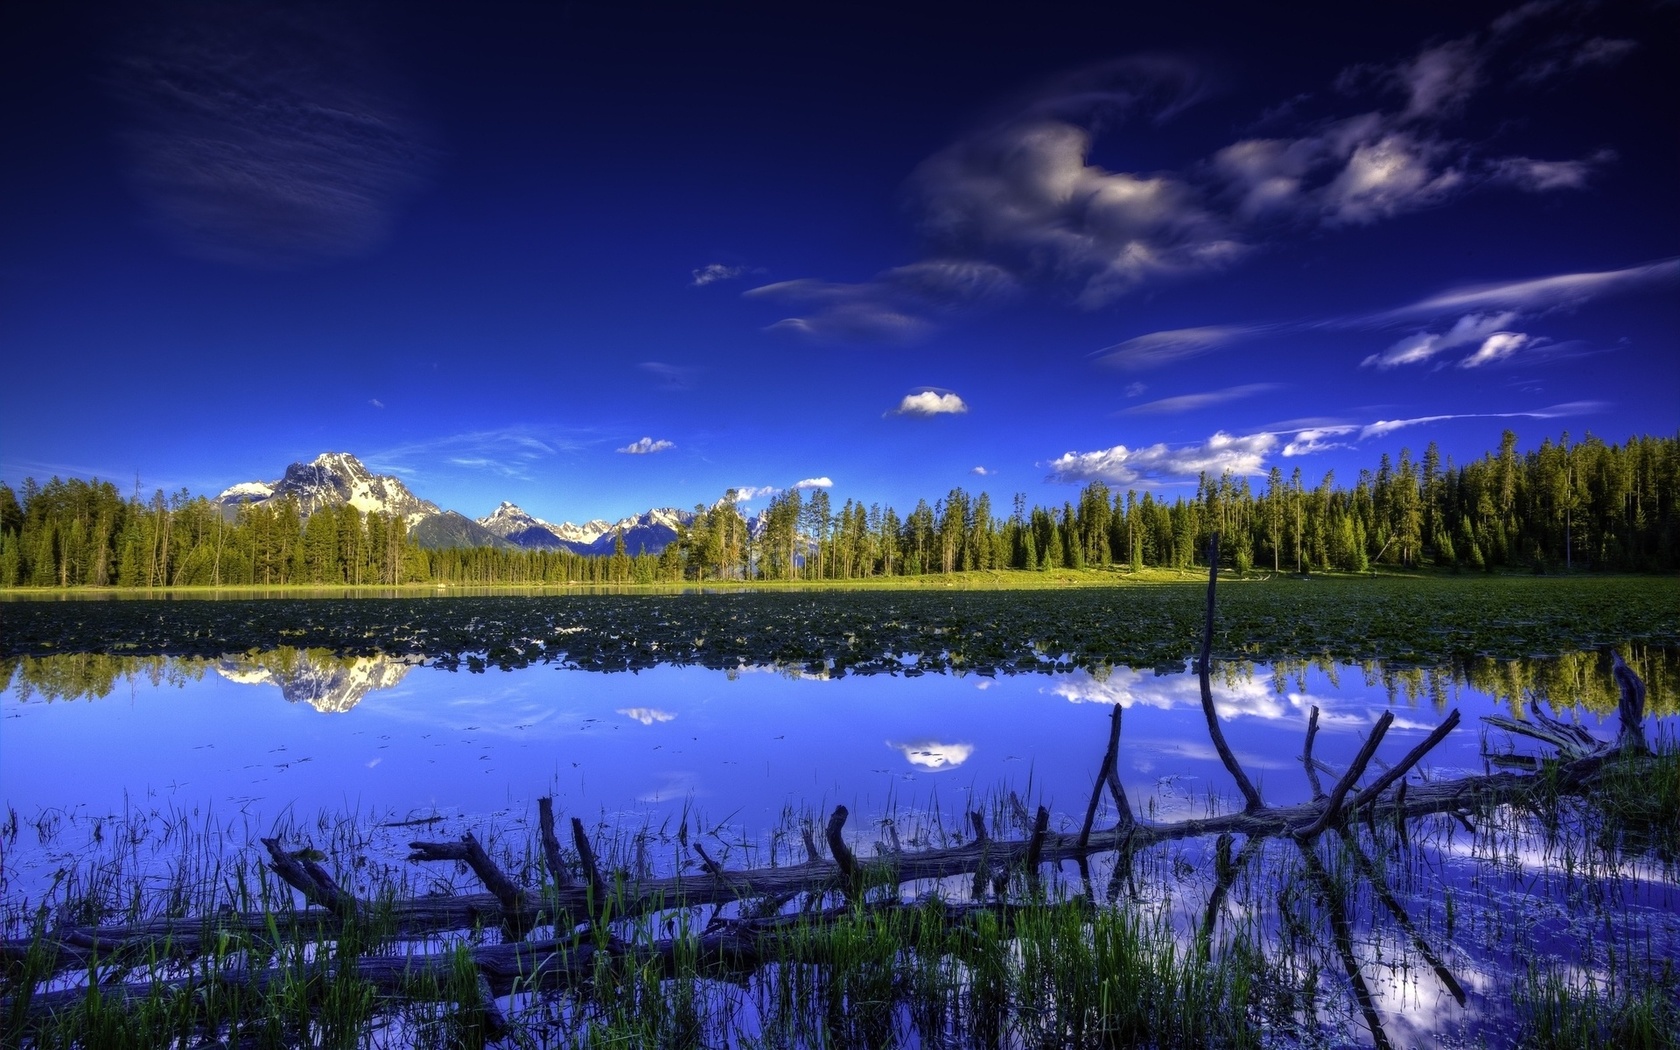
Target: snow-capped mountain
{"x": 648, "y": 532}
{"x": 334, "y": 479}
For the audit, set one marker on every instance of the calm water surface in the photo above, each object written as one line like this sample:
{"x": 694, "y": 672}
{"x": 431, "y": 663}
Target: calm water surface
{"x": 277, "y": 739}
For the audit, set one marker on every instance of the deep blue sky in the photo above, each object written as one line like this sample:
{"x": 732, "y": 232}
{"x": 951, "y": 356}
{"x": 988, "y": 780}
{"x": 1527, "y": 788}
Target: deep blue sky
{"x": 492, "y": 247}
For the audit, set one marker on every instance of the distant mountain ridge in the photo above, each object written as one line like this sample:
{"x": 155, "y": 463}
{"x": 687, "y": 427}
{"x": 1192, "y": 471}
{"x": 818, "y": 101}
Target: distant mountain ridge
{"x": 336, "y": 479}
{"x": 646, "y": 533}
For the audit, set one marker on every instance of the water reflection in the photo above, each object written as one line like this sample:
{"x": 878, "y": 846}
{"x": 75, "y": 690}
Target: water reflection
{"x": 329, "y": 684}
{"x": 933, "y": 755}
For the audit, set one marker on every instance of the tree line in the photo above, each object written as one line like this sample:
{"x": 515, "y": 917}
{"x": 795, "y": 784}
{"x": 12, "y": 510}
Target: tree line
{"x": 1580, "y": 505}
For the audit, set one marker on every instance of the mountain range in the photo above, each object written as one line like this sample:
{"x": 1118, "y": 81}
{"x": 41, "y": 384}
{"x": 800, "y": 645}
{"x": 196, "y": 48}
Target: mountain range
{"x": 335, "y": 479}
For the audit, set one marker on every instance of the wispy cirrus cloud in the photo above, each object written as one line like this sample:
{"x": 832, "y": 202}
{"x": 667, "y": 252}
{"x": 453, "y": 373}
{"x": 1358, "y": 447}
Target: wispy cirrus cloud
{"x": 896, "y": 306}
{"x": 1460, "y": 316}
{"x": 1207, "y": 399}
{"x": 264, "y": 138}
{"x": 1530, "y": 295}
{"x": 712, "y": 273}
{"x": 925, "y": 404}
{"x": 646, "y": 446}
{"x": 509, "y": 451}
{"x": 1157, "y": 349}
{"x": 671, "y": 377}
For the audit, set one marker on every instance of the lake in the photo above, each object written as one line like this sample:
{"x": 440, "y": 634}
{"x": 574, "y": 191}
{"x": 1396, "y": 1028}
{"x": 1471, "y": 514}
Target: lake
{"x": 103, "y": 754}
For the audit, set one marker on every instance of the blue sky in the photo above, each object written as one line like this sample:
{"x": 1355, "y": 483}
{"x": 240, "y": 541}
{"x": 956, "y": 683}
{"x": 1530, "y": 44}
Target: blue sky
{"x": 594, "y": 259}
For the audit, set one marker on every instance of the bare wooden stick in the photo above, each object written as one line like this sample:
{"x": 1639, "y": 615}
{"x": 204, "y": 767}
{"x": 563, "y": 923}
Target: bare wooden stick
{"x": 1307, "y": 756}
{"x": 1106, "y": 774}
{"x": 812, "y": 854}
{"x": 1401, "y": 768}
{"x": 979, "y": 823}
{"x": 551, "y": 843}
{"x": 1204, "y": 669}
{"x": 1333, "y": 805}
{"x": 1631, "y": 709}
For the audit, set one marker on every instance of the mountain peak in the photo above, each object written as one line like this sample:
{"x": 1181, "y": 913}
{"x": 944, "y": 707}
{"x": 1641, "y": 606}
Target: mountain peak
{"x": 334, "y": 479}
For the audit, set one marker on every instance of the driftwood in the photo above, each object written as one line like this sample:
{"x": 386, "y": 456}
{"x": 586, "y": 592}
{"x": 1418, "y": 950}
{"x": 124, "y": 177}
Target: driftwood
{"x": 567, "y": 955}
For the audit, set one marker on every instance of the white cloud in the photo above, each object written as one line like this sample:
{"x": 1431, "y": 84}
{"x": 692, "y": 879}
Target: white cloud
{"x": 1571, "y": 408}
{"x": 1387, "y": 176}
{"x": 933, "y": 755}
{"x": 1025, "y": 194}
{"x": 814, "y": 483}
{"x": 749, "y": 493}
{"x": 1135, "y": 389}
{"x": 983, "y": 472}
{"x": 1536, "y": 294}
{"x": 1543, "y": 176}
{"x": 646, "y": 715}
{"x": 376, "y": 403}
{"x": 1121, "y": 465}
{"x": 511, "y": 451}
{"x": 1169, "y": 347}
{"x": 712, "y": 273}
{"x": 1497, "y": 347}
{"x": 1317, "y": 439}
{"x": 1440, "y": 78}
{"x": 926, "y": 403}
{"x": 896, "y": 305}
{"x": 646, "y": 446}
{"x": 1192, "y": 402}
{"x": 1421, "y": 346}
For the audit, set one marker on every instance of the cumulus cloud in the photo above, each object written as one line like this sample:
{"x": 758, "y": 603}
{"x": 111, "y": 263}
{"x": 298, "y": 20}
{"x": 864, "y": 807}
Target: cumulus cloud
{"x": 261, "y": 137}
{"x": 1496, "y": 347}
{"x": 1192, "y": 402}
{"x": 814, "y": 483}
{"x": 1421, "y": 346}
{"x": 646, "y": 446}
{"x": 983, "y": 472}
{"x": 927, "y": 403}
{"x": 712, "y": 273}
{"x": 750, "y": 493}
{"x": 1122, "y": 465}
{"x": 1026, "y": 194}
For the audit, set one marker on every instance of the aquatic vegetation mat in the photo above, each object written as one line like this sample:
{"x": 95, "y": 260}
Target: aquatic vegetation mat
{"x": 1426, "y": 621}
